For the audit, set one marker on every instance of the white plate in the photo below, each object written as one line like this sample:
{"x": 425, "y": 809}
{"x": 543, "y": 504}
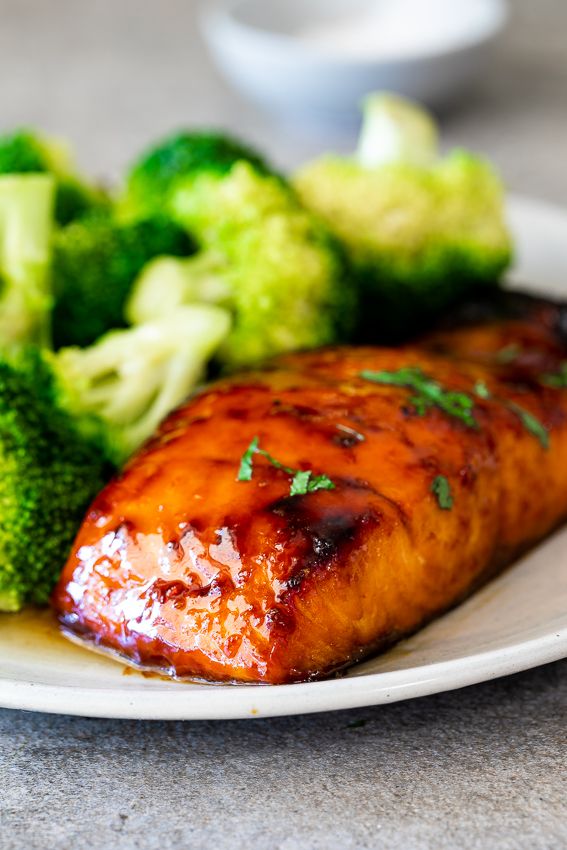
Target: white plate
{"x": 516, "y": 622}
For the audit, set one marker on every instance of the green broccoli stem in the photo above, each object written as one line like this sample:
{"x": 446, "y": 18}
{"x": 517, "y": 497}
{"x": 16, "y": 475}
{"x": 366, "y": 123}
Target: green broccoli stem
{"x": 26, "y": 221}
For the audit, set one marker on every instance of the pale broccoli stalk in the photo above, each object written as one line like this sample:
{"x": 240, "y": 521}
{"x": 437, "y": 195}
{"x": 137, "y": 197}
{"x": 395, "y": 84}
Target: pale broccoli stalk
{"x": 26, "y": 221}
{"x": 95, "y": 262}
{"x": 395, "y": 130}
{"x": 127, "y": 382}
{"x": 421, "y": 232}
{"x": 27, "y": 152}
{"x": 166, "y": 283}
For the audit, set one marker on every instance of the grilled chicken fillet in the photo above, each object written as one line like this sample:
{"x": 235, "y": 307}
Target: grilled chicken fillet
{"x": 181, "y": 567}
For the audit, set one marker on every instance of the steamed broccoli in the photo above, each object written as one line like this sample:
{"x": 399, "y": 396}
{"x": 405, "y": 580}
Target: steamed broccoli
{"x": 121, "y": 387}
{"x": 263, "y": 256}
{"x": 421, "y": 232}
{"x": 168, "y": 282}
{"x": 26, "y": 152}
{"x": 68, "y": 420}
{"x": 26, "y": 212}
{"x": 182, "y": 154}
{"x": 95, "y": 262}
{"x": 50, "y": 473}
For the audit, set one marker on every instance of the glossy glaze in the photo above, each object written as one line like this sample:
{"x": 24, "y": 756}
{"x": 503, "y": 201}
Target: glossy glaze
{"x": 181, "y": 567}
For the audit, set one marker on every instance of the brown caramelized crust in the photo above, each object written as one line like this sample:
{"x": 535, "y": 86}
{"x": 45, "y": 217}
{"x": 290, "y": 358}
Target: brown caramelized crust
{"x": 181, "y": 567}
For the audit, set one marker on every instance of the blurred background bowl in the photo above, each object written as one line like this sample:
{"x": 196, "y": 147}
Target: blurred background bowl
{"x": 313, "y": 60}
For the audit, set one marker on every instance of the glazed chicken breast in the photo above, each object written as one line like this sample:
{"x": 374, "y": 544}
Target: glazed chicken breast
{"x": 286, "y": 523}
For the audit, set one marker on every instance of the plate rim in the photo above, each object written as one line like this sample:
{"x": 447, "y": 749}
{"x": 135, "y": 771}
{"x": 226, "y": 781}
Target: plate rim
{"x": 245, "y": 701}
{"x": 256, "y": 701}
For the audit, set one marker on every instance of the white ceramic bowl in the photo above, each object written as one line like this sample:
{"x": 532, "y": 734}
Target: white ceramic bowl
{"x": 315, "y": 59}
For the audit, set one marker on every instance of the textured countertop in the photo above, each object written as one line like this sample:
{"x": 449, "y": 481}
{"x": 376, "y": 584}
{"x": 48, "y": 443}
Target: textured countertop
{"x": 482, "y": 768}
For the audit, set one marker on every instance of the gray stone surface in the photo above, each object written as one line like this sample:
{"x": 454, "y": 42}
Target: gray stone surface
{"x": 479, "y": 769}
{"x": 113, "y": 74}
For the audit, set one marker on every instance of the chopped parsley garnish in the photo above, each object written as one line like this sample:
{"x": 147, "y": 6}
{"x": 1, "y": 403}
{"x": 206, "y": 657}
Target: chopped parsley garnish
{"x": 508, "y": 354}
{"x": 303, "y": 480}
{"x": 428, "y": 393}
{"x": 530, "y": 423}
{"x": 557, "y": 380}
{"x": 441, "y": 488}
{"x": 481, "y": 390}
{"x": 245, "y": 471}
{"x": 527, "y": 419}
{"x": 300, "y": 483}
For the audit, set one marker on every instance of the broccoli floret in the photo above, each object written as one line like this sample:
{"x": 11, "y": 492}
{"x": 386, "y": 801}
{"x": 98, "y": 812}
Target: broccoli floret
{"x": 168, "y": 282}
{"x": 263, "y": 256}
{"x": 421, "y": 232}
{"x": 120, "y": 388}
{"x": 26, "y": 216}
{"x": 26, "y": 151}
{"x": 50, "y": 473}
{"x": 95, "y": 262}
{"x": 69, "y": 419}
{"x": 182, "y": 154}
